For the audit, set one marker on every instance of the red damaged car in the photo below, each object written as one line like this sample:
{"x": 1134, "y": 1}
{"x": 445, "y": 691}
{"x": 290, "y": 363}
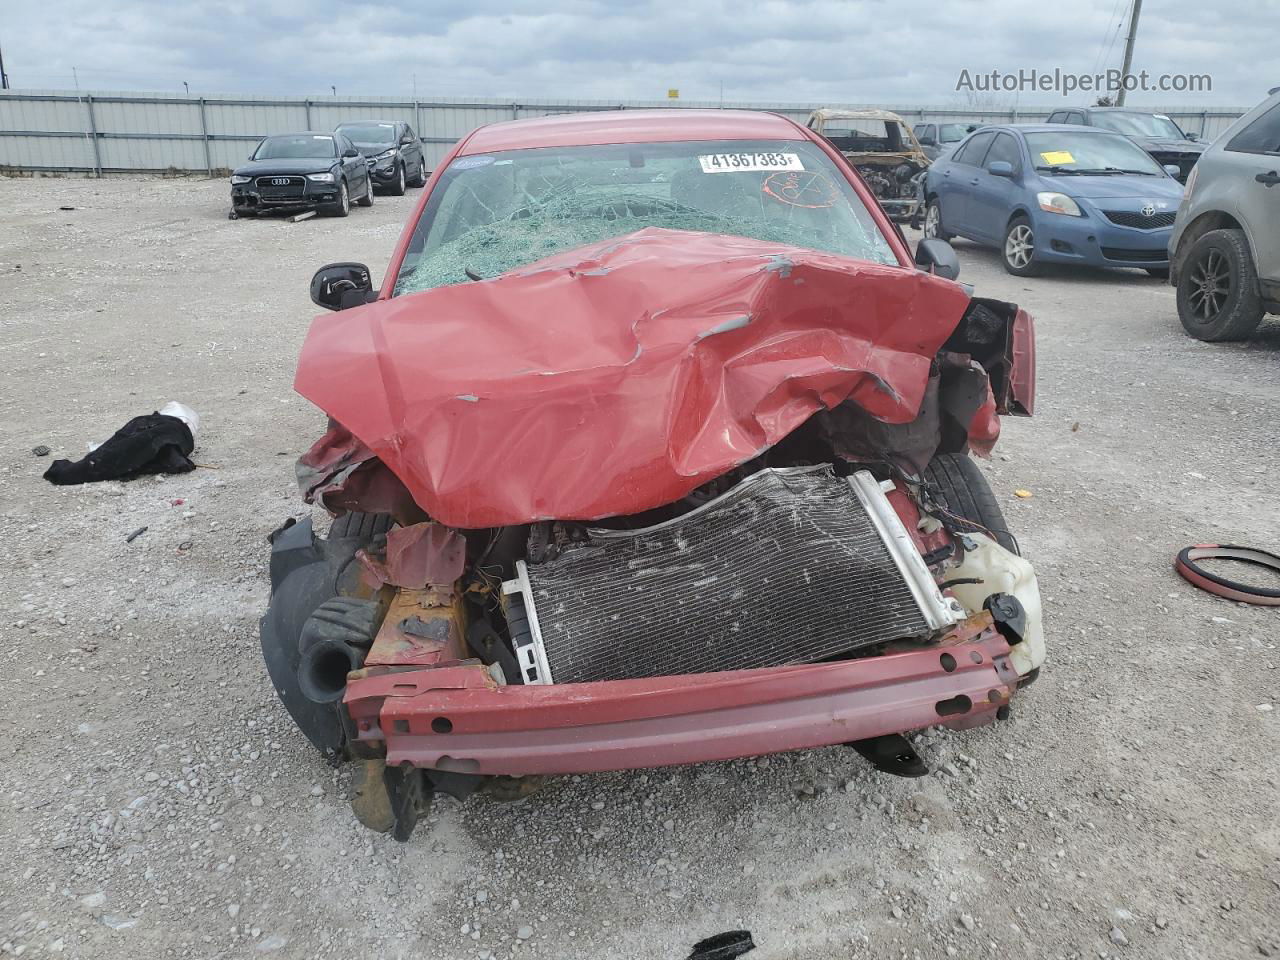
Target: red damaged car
{"x": 652, "y": 448}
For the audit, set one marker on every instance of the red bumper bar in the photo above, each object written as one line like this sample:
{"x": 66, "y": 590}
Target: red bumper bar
{"x": 456, "y": 718}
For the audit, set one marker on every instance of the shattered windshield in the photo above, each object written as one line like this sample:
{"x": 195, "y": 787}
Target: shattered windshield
{"x": 493, "y": 213}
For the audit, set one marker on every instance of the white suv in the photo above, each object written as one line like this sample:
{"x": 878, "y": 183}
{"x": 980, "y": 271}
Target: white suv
{"x": 1224, "y": 254}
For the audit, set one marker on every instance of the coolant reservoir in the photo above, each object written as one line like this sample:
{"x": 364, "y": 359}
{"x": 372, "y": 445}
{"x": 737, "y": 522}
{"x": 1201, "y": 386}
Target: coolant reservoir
{"x": 1001, "y": 571}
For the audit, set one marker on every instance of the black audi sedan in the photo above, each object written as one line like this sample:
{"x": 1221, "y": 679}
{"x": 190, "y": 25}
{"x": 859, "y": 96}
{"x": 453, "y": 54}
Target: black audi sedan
{"x": 393, "y": 151}
{"x": 302, "y": 171}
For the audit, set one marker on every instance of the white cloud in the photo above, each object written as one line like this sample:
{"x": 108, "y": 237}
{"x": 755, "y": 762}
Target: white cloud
{"x": 864, "y": 51}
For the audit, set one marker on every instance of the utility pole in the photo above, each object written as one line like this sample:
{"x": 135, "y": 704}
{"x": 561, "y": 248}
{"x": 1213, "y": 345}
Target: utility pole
{"x": 4, "y": 77}
{"x": 1128, "y": 49}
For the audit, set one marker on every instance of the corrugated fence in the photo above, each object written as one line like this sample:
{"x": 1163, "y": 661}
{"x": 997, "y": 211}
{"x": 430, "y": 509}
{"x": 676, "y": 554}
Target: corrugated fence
{"x": 103, "y": 133}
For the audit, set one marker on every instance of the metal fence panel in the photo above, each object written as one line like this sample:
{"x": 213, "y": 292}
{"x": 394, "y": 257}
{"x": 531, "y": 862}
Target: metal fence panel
{"x": 111, "y": 132}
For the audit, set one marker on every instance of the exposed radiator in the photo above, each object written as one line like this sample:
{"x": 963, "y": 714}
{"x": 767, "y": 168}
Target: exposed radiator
{"x": 793, "y": 565}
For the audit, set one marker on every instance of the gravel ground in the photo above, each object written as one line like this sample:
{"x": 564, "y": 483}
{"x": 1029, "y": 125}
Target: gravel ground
{"x": 156, "y": 801}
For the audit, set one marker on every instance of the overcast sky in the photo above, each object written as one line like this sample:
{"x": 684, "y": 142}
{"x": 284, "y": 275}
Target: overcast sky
{"x": 850, "y": 51}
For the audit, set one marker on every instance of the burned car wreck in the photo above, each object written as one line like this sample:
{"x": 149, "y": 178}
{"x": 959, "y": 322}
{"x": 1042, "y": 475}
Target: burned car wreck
{"x": 635, "y": 462}
{"x": 883, "y": 149}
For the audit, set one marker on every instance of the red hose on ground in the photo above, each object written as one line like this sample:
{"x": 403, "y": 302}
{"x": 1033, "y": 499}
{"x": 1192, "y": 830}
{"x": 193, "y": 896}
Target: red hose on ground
{"x": 1187, "y": 566}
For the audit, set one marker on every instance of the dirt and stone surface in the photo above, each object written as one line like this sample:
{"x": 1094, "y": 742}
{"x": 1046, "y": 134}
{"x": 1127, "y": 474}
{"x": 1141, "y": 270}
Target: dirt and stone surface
{"x": 155, "y": 800}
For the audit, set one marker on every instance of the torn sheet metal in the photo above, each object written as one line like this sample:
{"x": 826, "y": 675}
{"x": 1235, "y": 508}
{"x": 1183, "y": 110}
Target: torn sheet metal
{"x": 619, "y": 376}
{"x": 425, "y": 555}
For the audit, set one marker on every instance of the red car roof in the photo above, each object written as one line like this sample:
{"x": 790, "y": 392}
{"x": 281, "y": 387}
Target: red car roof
{"x": 631, "y": 126}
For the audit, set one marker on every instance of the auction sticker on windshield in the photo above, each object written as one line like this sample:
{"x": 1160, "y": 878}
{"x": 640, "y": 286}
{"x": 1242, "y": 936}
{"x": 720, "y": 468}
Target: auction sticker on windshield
{"x": 1057, "y": 158}
{"x": 749, "y": 162}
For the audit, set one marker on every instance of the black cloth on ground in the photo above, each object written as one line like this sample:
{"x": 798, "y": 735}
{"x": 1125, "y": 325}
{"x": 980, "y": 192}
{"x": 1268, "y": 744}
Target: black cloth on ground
{"x": 155, "y": 443}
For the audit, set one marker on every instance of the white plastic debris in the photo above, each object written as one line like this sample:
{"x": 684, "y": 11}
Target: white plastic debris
{"x": 184, "y": 413}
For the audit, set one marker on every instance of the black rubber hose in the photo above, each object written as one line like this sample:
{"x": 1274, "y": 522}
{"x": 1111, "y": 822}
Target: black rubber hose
{"x": 323, "y": 669}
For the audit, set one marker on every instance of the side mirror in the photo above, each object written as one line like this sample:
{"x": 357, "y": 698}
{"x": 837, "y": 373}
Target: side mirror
{"x": 936, "y": 256}
{"x": 350, "y": 152}
{"x": 341, "y": 285}
{"x": 1173, "y": 170}
{"x": 928, "y": 142}
{"x": 1193, "y": 137}
{"x": 1000, "y": 168}
{"x": 406, "y": 140}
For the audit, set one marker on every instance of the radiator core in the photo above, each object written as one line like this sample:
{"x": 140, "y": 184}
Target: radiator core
{"x": 792, "y": 565}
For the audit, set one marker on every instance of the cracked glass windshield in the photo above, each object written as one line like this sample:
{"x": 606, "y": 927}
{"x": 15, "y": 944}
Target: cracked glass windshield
{"x": 492, "y": 213}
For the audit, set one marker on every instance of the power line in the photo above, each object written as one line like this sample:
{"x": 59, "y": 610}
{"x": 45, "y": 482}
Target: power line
{"x": 1104, "y": 48}
{"x": 1106, "y": 56}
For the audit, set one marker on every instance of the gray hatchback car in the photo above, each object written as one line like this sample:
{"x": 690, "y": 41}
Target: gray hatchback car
{"x": 1224, "y": 254}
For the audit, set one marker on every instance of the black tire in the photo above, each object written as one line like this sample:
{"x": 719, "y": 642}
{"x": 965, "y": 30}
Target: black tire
{"x": 367, "y": 199}
{"x": 959, "y": 486}
{"x": 419, "y": 178}
{"x": 360, "y": 526}
{"x": 933, "y": 213}
{"x": 1218, "y": 297}
{"x": 396, "y": 188}
{"x": 343, "y": 207}
{"x": 1019, "y": 232}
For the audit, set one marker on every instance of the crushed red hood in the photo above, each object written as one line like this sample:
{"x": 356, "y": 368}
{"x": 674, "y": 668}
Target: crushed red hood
{"x": 620, "y": 376}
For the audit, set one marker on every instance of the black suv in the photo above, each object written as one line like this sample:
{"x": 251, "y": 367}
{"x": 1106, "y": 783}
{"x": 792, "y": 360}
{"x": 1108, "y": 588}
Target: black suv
{"x": 1155, "y": 133}
{"x": 393, "y": 152}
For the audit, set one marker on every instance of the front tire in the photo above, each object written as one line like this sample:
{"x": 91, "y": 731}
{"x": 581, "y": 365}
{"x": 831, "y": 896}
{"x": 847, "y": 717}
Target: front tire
{"x": 1218, "y": 297}
{"x": 1018, "y": 253}
{"x": 396, "y": 188}
{"x": 419, "y": 179}
{"x": 343, "y": 207}
{"x": 933, "y": 222}
{"x": 958, "y": 485}
{"x": 367, "y": 199}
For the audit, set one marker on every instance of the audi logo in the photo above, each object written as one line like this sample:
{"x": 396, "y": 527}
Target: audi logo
{"x": 279, "y": 181}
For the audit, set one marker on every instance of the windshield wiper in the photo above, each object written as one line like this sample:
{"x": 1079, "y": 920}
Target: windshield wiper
{"x": 1056, "y": 171}
{"x": 1112, "y": 172}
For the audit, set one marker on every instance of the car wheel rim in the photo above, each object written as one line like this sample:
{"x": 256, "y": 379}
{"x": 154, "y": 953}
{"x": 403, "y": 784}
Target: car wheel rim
{"x": 1209, "y": 285}
{"x": 1019, "y": 246}
{"x": 931, "y": 218}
